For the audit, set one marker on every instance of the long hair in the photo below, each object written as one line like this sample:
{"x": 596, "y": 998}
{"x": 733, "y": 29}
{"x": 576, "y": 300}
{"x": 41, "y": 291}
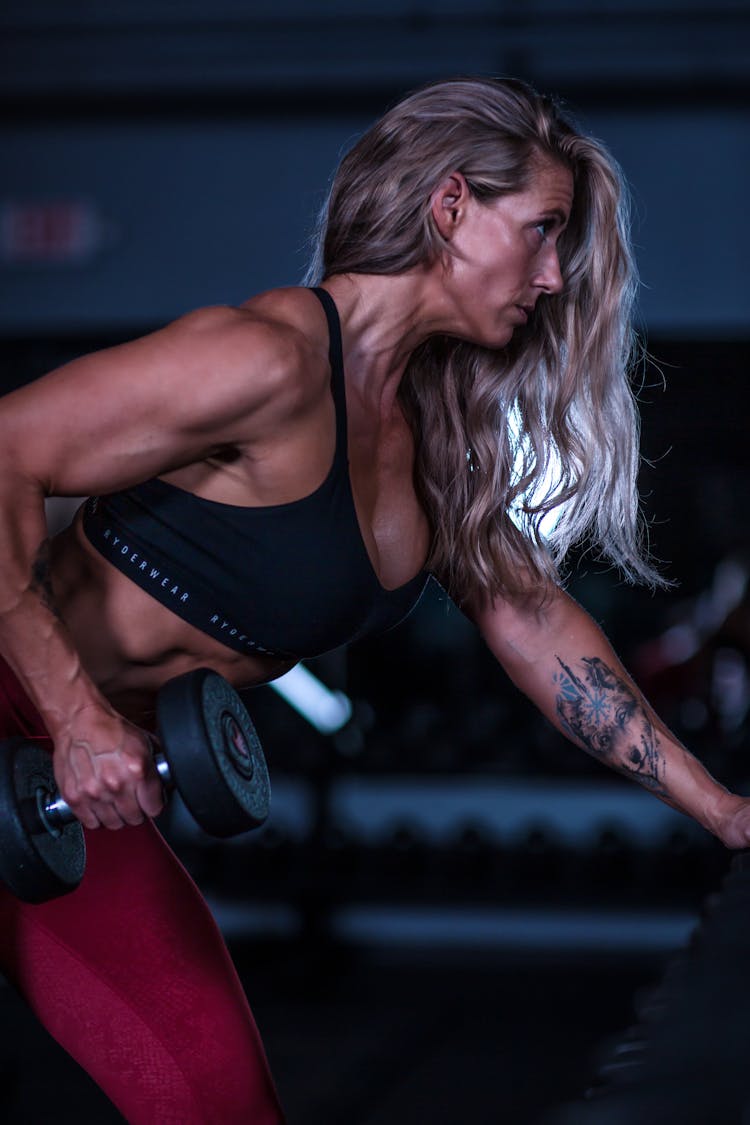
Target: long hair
{"x": 525, "y": 451}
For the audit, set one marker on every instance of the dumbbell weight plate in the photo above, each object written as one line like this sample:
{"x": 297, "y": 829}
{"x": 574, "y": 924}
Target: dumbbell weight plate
{"x": 215, "y": 758}
{"x": 35, "y": 864}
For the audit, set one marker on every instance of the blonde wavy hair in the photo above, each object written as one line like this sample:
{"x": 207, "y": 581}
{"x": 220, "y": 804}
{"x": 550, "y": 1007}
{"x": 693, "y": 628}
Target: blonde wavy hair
{"x": 545, "y": 429}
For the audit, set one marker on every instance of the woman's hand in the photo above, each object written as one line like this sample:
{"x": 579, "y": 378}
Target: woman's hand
{"x": 105, "y": 771}
{"x": 733, "y": 823}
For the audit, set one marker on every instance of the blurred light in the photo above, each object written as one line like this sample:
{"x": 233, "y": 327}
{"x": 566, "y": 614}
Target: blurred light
{"x": 543, "y": 487}
{"x": 594, "y": 931}
{"x": 60, "y": 232}
{"x": 326, "y": 710}
{"x": 730, "y": 689}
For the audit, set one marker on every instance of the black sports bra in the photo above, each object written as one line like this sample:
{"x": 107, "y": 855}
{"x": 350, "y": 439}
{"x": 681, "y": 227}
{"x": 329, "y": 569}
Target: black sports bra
{"x": 289, "y": 580}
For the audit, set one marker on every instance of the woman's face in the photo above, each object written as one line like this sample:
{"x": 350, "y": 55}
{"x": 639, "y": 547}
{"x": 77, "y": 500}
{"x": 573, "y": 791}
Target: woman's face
{"x": 504, "y": 255}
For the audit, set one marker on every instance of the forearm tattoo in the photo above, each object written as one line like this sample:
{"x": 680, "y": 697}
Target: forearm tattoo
{"x": 604, "y": 714}
{"x": 41, "y": 579}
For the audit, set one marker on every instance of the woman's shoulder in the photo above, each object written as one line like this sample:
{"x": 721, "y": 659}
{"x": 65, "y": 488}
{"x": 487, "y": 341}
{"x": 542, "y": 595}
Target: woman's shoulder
{"x": 282, "y": 324}
{"x": 279, "y": 338}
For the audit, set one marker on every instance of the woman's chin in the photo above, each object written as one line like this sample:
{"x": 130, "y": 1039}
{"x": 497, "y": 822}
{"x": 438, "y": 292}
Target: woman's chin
{"x": 500, "y": 338}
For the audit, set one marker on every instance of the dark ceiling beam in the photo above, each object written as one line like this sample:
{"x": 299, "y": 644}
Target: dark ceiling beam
{"x": 313, "y": 61}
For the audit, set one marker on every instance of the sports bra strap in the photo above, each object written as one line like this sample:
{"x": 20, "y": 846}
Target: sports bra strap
{"x": 336, "y": 359}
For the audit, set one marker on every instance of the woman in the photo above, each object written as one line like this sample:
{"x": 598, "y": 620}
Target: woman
{"x": 277, "y": 479}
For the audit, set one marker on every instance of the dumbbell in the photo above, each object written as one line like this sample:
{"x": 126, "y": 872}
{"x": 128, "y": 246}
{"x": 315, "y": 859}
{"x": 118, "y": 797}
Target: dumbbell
{"x": 209, "y": 753}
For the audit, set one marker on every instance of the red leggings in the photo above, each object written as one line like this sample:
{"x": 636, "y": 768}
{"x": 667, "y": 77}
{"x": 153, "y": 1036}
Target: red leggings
{"x": 131, "y": 975}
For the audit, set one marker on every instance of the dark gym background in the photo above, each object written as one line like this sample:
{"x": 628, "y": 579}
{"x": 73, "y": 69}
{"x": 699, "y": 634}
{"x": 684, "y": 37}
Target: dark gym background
{"x": 451, "y": 909}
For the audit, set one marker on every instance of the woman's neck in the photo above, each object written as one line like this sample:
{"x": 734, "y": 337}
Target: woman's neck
{"x": 383, "y": 320}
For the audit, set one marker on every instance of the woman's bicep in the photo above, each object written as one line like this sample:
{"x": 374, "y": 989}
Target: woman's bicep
{"x": 122, "y": 415}
{"x": 526, "y": 635}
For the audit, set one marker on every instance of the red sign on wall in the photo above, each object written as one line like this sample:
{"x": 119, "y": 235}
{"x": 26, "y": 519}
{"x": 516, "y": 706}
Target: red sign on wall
{"x": 66, "y": 232}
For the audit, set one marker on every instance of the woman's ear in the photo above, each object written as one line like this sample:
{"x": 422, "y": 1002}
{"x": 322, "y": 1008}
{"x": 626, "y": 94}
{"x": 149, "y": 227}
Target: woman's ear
{"x": 448, "y": 203}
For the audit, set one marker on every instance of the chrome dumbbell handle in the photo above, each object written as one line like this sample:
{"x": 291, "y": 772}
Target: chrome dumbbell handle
{"x": 55, "y": 813}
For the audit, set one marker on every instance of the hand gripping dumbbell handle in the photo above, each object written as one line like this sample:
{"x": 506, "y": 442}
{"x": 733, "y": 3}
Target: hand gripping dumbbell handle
{"x": 56, "y": 813}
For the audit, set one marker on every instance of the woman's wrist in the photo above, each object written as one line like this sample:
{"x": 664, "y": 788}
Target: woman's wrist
{"x": 60, "y": 699}
{"x": 729, "y": 819}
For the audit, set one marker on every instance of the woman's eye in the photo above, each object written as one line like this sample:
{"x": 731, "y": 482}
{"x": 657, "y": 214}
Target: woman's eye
{"x": 544, "y": 227}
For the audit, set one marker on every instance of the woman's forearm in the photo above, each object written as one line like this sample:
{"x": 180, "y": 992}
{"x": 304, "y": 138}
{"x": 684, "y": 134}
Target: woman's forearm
{"x": 563, "y": 662}
{"x": 33, "y": 638}
{"x": 598, "y": 707}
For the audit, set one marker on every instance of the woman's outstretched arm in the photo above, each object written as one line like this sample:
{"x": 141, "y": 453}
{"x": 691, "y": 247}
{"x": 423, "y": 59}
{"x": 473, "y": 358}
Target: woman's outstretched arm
{"x": 560, "y": 658}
